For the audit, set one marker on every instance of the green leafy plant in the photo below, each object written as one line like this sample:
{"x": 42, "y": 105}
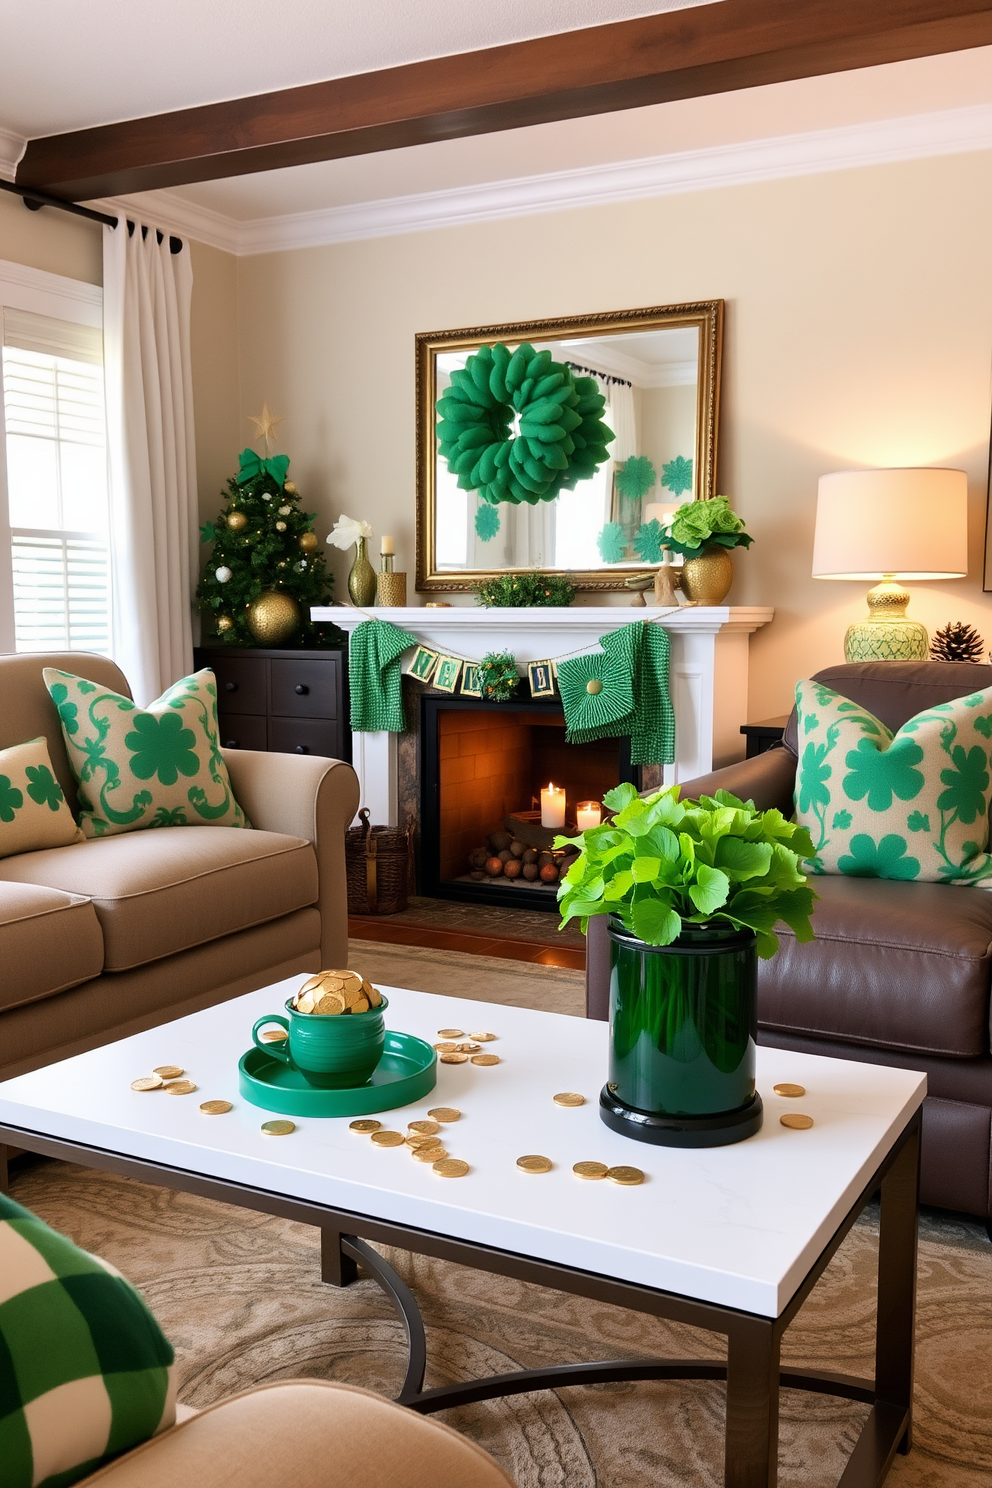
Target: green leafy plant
{"x": 512, "y": 591}
{"x": 696, "y": 524}
{"x": 662, "y": 862}
{"x": 498, "y": 676}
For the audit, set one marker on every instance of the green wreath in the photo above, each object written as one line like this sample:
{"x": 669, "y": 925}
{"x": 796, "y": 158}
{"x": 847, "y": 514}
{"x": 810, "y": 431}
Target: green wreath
{"x": 517, "y": 426}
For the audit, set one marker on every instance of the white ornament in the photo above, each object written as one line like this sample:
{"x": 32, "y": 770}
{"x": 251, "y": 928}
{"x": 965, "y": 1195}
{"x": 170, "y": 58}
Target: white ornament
{"x": 301, "y": 567}
{"x": 222, "y": 575}
{"x": 280, "y": 526}
{"x": 266, "y": 495}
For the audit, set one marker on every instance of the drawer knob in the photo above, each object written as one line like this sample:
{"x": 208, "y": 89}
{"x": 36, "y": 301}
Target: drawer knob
{"x": 301, "y": 689}
{"x": 302, "y": 749}
{"x": 230, "y": 686}
{"x": 231, "y": 744}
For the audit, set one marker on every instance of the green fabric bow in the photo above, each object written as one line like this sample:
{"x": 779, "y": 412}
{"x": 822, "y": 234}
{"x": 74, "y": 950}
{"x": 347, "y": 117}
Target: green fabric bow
{"x": 374, "y": 676}
{"x": 633, "y": 697}
{"x": 253, "y": 465}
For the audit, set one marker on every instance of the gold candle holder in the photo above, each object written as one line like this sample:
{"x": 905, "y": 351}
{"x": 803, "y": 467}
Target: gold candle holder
{"x": 392, "y": 589}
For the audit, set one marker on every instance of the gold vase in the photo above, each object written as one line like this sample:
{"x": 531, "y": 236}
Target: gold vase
{"x": 273, "y": 617}
{"x": 361, "y": 580}
{"x": 392, "y": 589}
{"x": 707, "y": 579}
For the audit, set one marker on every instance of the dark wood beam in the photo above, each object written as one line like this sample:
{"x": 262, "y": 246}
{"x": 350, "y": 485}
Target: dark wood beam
{"x": 713, "y": 48}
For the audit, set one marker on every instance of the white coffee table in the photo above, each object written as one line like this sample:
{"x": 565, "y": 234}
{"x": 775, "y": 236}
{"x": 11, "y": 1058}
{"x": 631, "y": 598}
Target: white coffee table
{"x": 731, "y": 1238}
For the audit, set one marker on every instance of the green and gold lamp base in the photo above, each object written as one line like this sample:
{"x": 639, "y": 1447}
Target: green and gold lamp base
{"x": 886, "y": 633}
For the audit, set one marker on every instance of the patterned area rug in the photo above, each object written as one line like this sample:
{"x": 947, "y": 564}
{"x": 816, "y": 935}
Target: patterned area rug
{"x": 240, "y": 1296}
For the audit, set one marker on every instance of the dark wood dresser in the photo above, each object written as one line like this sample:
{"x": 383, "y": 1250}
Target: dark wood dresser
{"x": 288, "y": 702}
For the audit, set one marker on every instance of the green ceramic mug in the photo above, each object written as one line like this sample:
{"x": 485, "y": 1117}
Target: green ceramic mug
{"x": 332, "y": 1051}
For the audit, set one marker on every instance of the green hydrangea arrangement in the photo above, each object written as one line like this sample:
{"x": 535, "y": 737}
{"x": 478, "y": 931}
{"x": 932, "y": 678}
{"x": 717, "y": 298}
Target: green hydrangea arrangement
{"x": 696, "y": 524}
{"x": 661, "y": 862}
{"x": 521, "y": 590}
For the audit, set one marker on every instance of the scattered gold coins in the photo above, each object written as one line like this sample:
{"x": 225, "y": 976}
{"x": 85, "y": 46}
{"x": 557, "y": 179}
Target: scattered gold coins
{"x": 274, "y": 1036}
{"x": 454, "y": 1058}
{"x": 446, "y": 1048}
{"x": 485, "y": 1059}
{"x": 423, "y": 1128}
{"x": 468, "y": 1048}
{"x": 148, "y": 1082}
{"x": 627, "y": 1177}
{"x": 590, "y": 1170}
{"x": 215, "y": 1107}
{"x": 533, "y": 1163}
{"x": 278, "y": 1128}
{"x": 427, "y": 1154}
{"x": 388, "y": 1138}
{"x": 569, "y": 1098}
{"x": 482, "y": 1038}
{"x": 789, "y": 1089}
{"x": 417, "y": 1139}
{"x": 444, "y": 1114}
{"x": 331, "y": 993}
{"x": 797, "y": 1122}
{"x": 169, "y": 1071}
{"x": 450, "y": 1167}
{"x": 449, "y": 1033}
{"x": 365, "y": 1128}
{"x": 179, "y": 1087}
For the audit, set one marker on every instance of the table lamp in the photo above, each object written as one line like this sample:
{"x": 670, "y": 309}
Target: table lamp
{"x": 890, "y": 525}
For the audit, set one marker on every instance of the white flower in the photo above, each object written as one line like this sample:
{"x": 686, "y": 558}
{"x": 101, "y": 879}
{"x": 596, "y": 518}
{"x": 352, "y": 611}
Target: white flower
{"x": 347, "y": 532}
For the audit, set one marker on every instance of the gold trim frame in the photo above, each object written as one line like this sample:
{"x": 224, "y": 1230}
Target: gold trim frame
{"x": 706, "y": 314}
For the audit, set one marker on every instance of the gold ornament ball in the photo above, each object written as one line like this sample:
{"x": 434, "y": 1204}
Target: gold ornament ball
{"x": 224, "y": 622}
{"x": 237, "y": 521}
{"x": 273, "y": 617}
{"x": 290, "y": 488}
{"x": 280, "y": 526}
{"x": 308, "y": 541}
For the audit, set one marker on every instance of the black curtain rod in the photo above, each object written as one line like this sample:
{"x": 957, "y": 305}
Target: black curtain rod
{"x": 34, "y": 201}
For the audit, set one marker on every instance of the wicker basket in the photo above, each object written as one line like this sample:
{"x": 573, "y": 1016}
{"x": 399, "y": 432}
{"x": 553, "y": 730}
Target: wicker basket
{"x": 378, "y": 861}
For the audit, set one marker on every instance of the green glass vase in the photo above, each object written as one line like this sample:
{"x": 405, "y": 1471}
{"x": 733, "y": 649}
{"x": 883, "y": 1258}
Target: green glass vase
{"x": 361, "y": 580}
{"x": 683, "y": 1029}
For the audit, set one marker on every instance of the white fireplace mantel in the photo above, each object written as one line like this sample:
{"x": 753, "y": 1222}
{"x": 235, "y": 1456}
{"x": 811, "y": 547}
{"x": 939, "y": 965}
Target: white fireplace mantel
{"x": 709, "y": 666}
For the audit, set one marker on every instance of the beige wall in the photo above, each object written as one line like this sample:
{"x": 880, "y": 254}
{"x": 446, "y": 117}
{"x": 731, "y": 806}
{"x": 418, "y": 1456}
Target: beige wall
{"x": 859, "y": 331}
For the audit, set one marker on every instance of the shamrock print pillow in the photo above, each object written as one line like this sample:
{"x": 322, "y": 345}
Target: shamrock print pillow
{"x": 159, "y": 766}
{"x": 34, "y": 813}
{"x": 910, "y": 805}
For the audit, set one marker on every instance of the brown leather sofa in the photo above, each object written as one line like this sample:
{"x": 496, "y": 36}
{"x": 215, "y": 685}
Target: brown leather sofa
{"x": 899, "y": 973}
{"x": 103, "y": 938}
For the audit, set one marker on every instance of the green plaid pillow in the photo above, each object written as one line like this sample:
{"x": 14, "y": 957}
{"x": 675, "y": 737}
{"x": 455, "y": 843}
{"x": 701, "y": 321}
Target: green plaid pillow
{"x": 85, "y": 1370}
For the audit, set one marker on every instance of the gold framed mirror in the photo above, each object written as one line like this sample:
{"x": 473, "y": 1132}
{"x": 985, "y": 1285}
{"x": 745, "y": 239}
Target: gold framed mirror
{"x": 658, "y": 370}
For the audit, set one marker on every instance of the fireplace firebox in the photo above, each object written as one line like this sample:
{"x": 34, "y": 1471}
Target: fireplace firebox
{"x": 482, "y": 768}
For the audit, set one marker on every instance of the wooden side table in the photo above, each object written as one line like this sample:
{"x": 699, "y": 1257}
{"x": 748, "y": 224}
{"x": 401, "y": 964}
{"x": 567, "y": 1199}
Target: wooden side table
{"x": 284, "y": 701}
{"x": 761, "y": 736}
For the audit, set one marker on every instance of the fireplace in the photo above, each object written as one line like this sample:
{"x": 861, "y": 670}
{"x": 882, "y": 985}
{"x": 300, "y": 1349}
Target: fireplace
{"x": 482, "y": 768}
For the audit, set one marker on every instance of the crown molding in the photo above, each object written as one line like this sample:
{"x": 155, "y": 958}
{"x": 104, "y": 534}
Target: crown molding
{"x": 881, "y": 142}
{"x": 12, "y": 147}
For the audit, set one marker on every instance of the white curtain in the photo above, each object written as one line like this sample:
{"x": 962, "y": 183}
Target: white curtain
{"x": 146, "y": 299}
{"x": 622, "y": 420}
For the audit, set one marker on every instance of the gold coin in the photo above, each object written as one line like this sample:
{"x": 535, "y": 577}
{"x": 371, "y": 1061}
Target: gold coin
{"x": 351, "y": 993}
{"x": 416, "y": 1141}
{"x": 169, "y": 1071}
{"x": 569, "y": 1098}
{"x": 468, "y": 1048}
{"x": 625, "y": 1176}
{"x": 215, "y": 1108}
{"x": 423, "y": 1128}
{"x": 331, "y": 1004}
{"x": 278, "y": 1128}
{"x": 365, "y": 1128}
{"x": 387, "y": 1139}
{"x": 362, "y": 1005}
{"x": 447, "y": 1033}
{"x": 444, "y": 1113}
{"x": 454, "y": 1058}
{"x": 305, "y": 1002}
{"x": 533, "y": 1163}
{"x": 446, "y": 1048}
{"x": 179, "y": 1087}
{"x": 797, "y": 1122}
{"x": 785, "y": 1089}
{"x": 427, "y": 1154}
{"x": 485, "y": 1059}
{"x": 314, "y": 984}
{"x": 451, "y": 1167}
{"x": 482, "y": 1038}
{"x": 275, "y": 1036}
{"x": 373, "y": 994}
{"x": 147, "y": 1082}
{"x": 590, "y": 1169}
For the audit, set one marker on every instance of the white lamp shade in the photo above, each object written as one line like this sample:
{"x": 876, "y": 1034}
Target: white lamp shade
{"x": 912, "y": 524}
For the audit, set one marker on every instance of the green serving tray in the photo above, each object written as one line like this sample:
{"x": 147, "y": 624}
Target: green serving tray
{"x": 406, "y": 1073}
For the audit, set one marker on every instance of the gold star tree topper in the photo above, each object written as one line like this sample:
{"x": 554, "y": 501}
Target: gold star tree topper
{"x": 265, "y": 425}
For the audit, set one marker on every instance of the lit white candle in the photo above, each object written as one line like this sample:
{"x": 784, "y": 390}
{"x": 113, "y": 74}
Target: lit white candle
{"x": 386, "y": 546}
{"x": 588, "y": 814}
{"x": 552, "y": 805}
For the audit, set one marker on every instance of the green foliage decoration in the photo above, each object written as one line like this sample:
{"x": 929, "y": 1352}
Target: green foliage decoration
{"x": 517, "y": 426}
{"x": 650, "y": 541}
{"x": 498, "y": 676}
{"x": 612, "y": 543}
{"x": 697, "y": 524}
{"x": 486, "y": 522}
{"x": 258, "y": 556}
{"x": 661, "y": 862}
{"x": 676, "y": 475}
{"x": 635, "y": 477}
{"x": 525, "y": 590}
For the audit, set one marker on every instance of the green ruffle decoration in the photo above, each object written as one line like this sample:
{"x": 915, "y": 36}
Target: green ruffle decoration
{"x": 561, "y": 438}
{"x": 374, "y": 677}
{"x": 634, "y": 697}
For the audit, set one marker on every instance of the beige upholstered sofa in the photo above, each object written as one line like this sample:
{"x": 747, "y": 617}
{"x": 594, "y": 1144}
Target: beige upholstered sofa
{"x": 103, "y": 938}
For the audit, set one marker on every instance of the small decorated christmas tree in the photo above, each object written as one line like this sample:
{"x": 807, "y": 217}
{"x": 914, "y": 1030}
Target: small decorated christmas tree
{"x": 265, "y": 568}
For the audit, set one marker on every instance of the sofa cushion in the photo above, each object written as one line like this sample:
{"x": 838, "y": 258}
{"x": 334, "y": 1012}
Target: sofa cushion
{"x": 49, "y": 941}
{"x": 897, "y": 965}
{"x": 33, "y": 811}
{"x": 157, "y": 892}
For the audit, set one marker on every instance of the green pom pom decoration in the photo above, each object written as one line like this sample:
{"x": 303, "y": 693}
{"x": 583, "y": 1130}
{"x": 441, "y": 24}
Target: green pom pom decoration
{"x": 522, "y": 590}
{"x": 635, "y": 477}
{"x": 611, "y": 543}
{"x": 498, "y": 676}
{"x": 648, "y": 543}
{"x": 676, "y": 475}
{"x": 486, "y": 522}
{"x": 516, "y": 426}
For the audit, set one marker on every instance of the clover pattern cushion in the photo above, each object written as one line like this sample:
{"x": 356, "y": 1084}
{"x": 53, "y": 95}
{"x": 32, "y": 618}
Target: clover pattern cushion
{"x": 34, "y": 813}
{"x": 85, "y": 1370}
{"x": 159, "y": 766}
{"x": 910, "y": 805}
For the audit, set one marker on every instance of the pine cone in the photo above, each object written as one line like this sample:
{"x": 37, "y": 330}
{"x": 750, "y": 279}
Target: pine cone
{"x": 957, "y": 642}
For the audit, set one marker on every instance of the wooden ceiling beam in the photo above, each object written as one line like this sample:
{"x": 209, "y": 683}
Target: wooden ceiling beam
{"x": 712, "y": 48}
